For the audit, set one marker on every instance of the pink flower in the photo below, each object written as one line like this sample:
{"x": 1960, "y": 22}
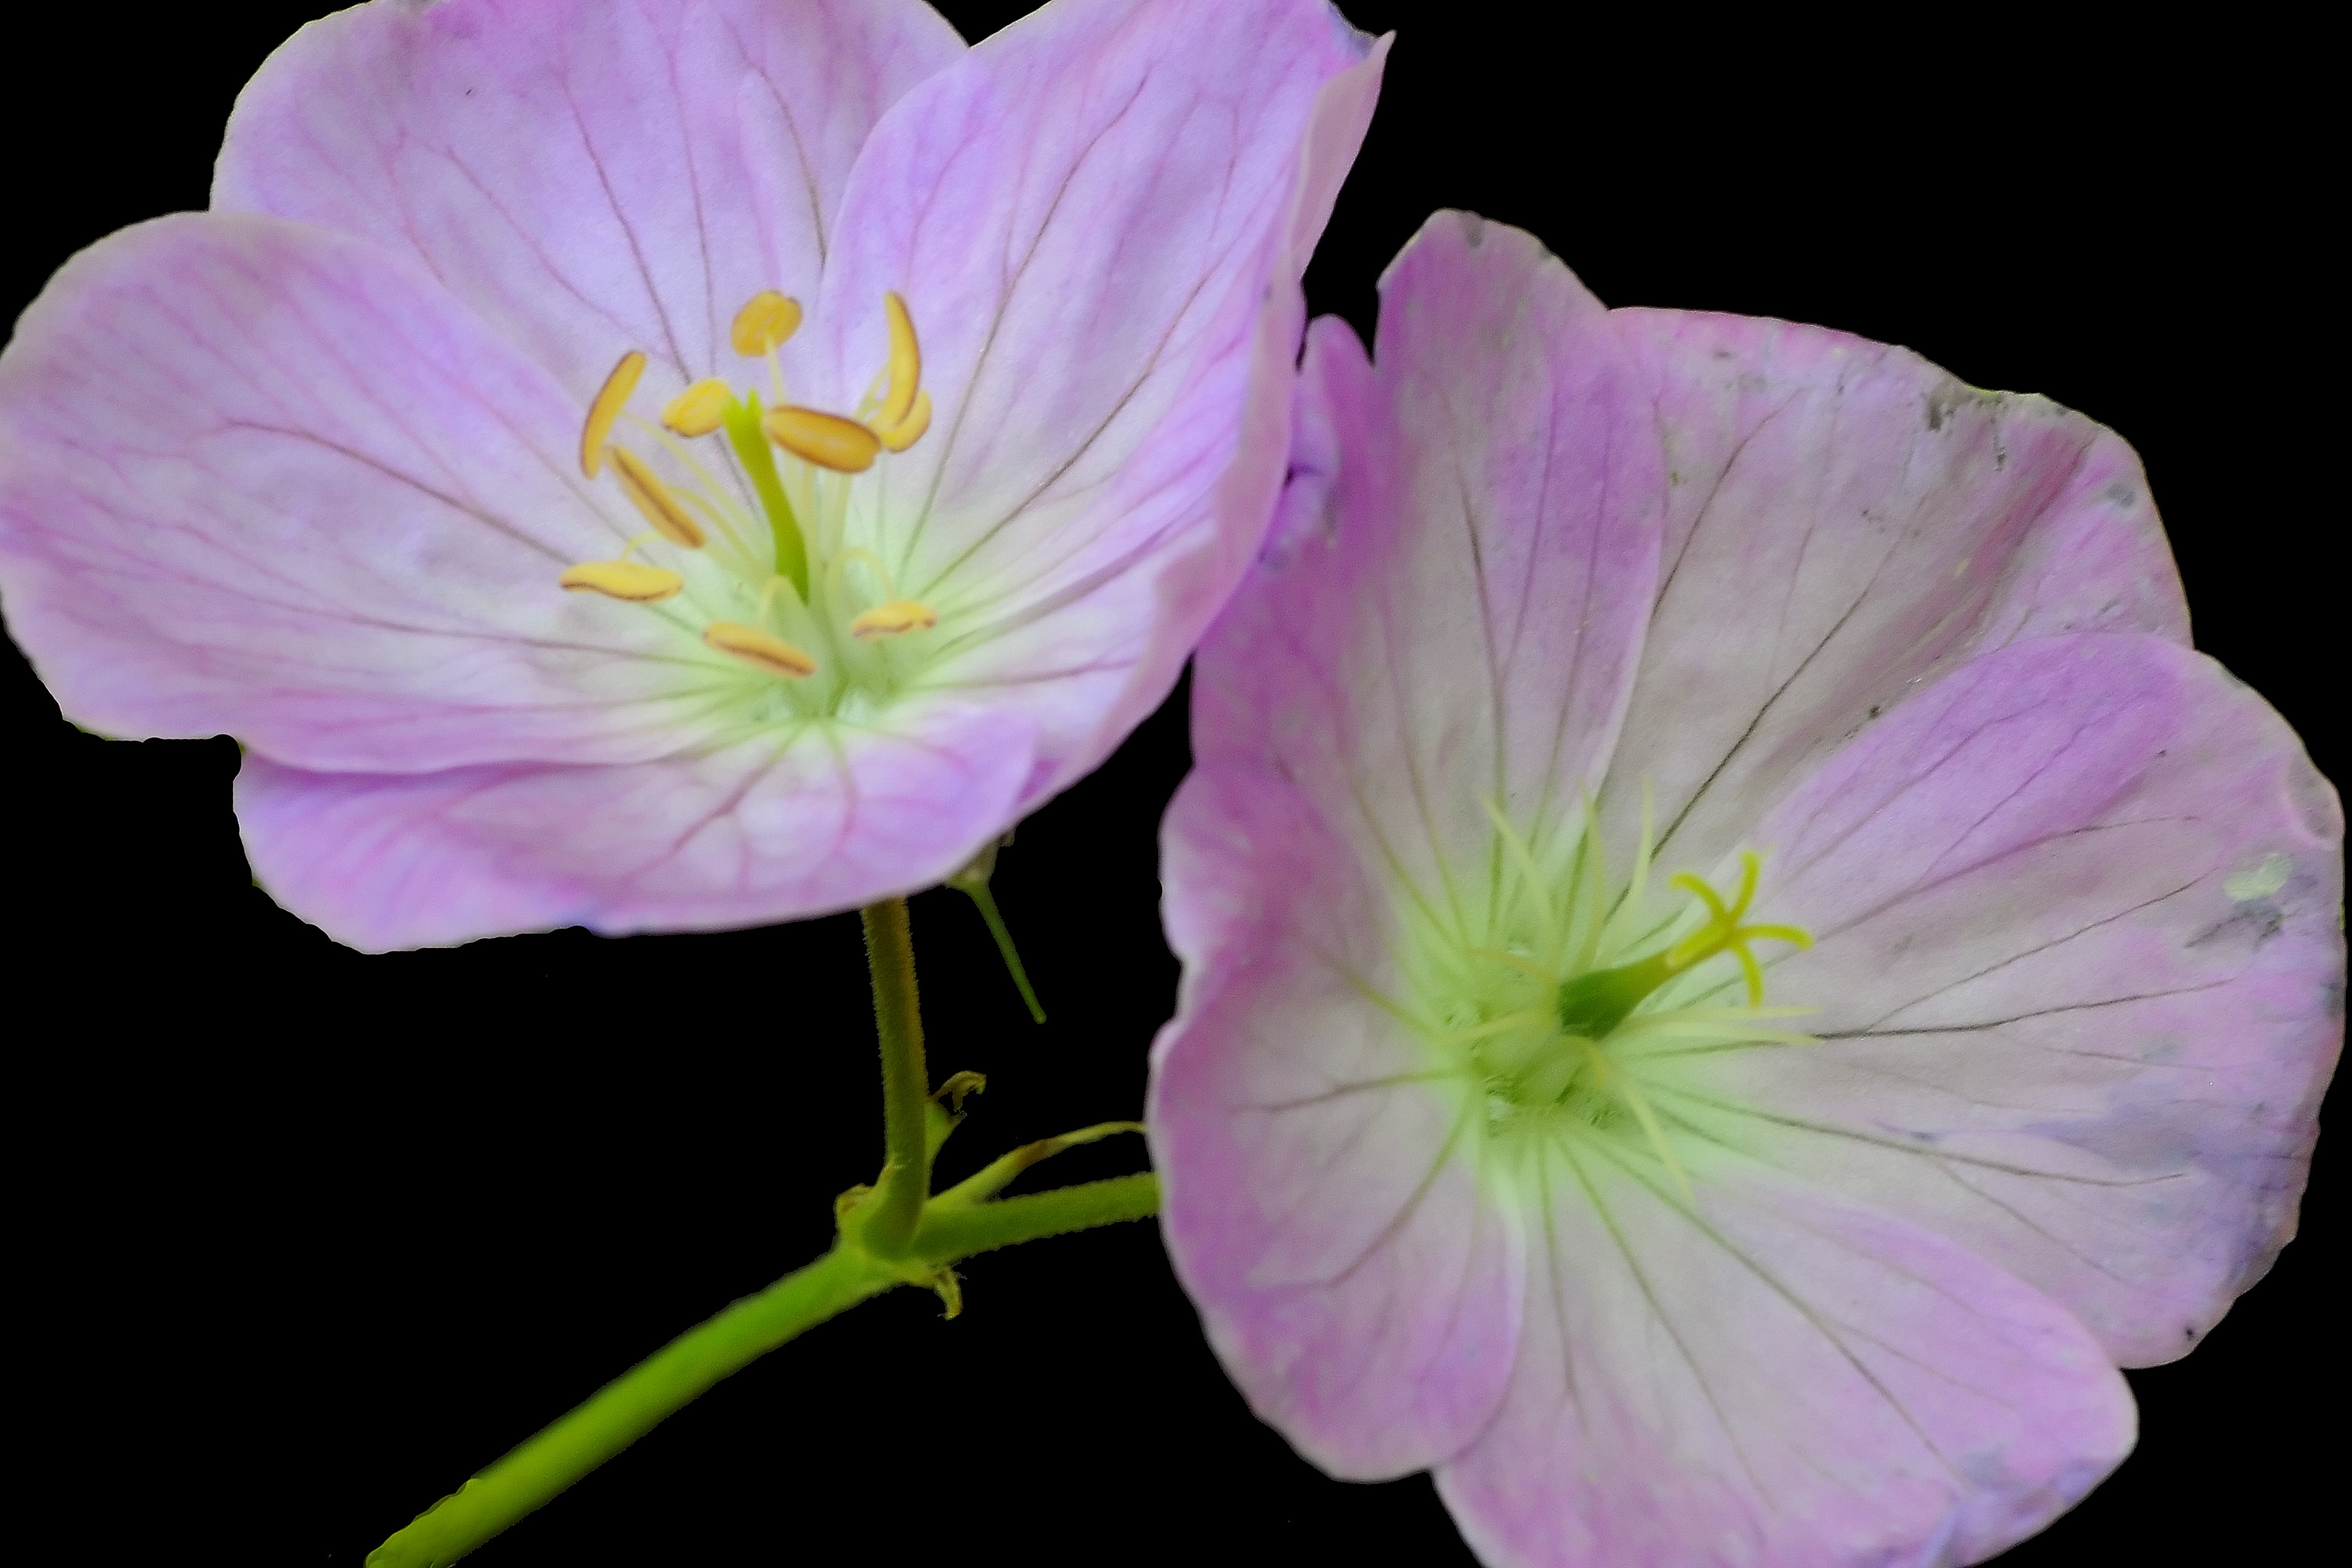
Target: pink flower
{"x": 498, "y": 298}
{"x": 1485, "y": 1149}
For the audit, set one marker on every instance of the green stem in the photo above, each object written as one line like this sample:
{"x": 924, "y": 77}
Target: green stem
{"x": 977, "y": 891}
{"x": 631, "y": 1405}
{"x": 948, "y": 1233}
{"x": 889, "y": 1222}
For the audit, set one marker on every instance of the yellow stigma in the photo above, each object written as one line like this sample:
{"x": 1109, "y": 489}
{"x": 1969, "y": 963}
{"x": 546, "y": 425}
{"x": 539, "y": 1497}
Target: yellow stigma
{"x": 638, "y": 583}
{"x": 896, "y": 618}
{"x": 698, "y": 410}
{"x": 766, "y": 324}
{"x": 606, "y": 408}
{"x": 828, "y": 440}
{"x": 760, "y": 649}
{"x": 1724, "y": 933}
{"x": 906, "y": 364}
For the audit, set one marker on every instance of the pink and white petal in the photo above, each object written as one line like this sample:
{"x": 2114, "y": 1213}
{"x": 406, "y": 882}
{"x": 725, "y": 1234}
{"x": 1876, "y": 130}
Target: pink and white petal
{"x": 592, "y": 178}
{"x": 262, "y": 478}
{"x": 1318, "y": 1192}
{"x": 1845, "y": 520}
{"x": 802, "y": 822}
{"x": 1462, "y": 621}
{"x": 1098, "y": 218}
{"x": 1783, "y": 1381}
{"x": 2080, "y": 975}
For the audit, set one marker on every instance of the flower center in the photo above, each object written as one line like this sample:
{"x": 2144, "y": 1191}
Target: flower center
{"x": 808, "y": 610}
{"x": 1562, "y": 1000}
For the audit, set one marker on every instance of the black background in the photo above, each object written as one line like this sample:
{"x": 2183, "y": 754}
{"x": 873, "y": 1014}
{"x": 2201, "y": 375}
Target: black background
{"x": 308, "y": 1236}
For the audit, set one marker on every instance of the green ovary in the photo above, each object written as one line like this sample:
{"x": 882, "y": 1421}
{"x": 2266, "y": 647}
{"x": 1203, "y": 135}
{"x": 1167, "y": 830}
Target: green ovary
{"x": 1564, "y": 1004}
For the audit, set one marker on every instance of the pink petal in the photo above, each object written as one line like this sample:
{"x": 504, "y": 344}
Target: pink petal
{"x": 2081, "y": 978}
{"x": 260, "y": 479}
{"x": 1099, "y": 219}
{"x": 1462, "y": 624}
{"x": 807, "y": 821}
{"x": 591, "y": 177}
{"x": 1784, "y": 1383}
{"x": 1321, "y": 1204}
{"x": 1846, "y": 522}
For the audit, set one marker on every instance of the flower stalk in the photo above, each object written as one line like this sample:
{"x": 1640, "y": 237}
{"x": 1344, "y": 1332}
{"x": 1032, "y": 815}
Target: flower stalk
{"x": 894, "y": 1235}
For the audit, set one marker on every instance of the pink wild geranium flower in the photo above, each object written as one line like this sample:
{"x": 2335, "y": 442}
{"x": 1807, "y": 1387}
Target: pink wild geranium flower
{"x": 468, "y": 462}
{"x": 1796, "y": 1208}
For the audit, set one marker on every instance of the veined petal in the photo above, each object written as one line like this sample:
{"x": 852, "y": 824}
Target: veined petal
{"x": 1846, "y": 522}
{"x": 2081, "y": 978}
{"x": 1783, "y": 1381}
{"x": 1462, "y": 624}
{"x": 802, "y": 822}
{"x": 590, "y": 177}
{"x": 1098, "y": 219}
{"x": 262, "y": 478}
{"x": 1319, "y": 1193}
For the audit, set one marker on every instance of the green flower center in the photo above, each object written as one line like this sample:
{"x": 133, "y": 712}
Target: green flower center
{"x": 1562, "y": 1001}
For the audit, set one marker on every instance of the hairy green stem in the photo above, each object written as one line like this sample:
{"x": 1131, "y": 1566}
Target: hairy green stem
{"x": 629, "y": 1406}
{"x": 950, "y": 1232}
{"x": 896, "y": 1208}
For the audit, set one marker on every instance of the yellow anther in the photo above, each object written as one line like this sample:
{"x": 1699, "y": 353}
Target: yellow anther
{"x": 767, "y": 322}
{"x": 757, "y": 647}
{"x": 651, "y": 497}
{"x": 908, "y": 431}
{"x": 605, "y": 409}
{"x": 906, "y": 364}
{"x": 699, "y": 409}
{"x": 630, "y": 580}
{"x": 896, "y": 618}
{"x": 825, "y": 439}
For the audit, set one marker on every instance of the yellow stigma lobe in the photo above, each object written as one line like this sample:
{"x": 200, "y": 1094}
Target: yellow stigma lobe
{"x": 756, "y": 647}
{"x": 906, "y": 363}
{"x": 825, "y": 439}
{"x": 629, "y": 580}
{"x": 651, "y": 497}
{"x": 908, "y": 431}
{"x": 699, "y": 409}
{"x": 896, "y": 618}
{"x": 605, "y": 409}
{"x": 767, "y": 322}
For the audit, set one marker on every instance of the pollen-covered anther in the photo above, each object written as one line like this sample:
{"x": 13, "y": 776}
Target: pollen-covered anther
{"x": 766, "y": 324}
{"x": 650, "y": 496}
{"x": 761, "y": 650}
{"x": 828, "y": 440}
{"x": 630, "y": 580}
{"x": 896, "y": 618}
{"x": 906, "y": 362}
{"x": 908, "y": 431}
{"x": 699, "y": 409}
{"x": 605, "y": 408}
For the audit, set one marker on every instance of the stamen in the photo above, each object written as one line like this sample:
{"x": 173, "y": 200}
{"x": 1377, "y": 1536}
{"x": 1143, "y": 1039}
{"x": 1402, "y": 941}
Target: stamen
{"x": 906, "y": 366}
{"x": 825, "y": 439}
{"x": 630, "y": 580}
{"x": 908, "y": 431}
{"x": 699, "y": 409}
{"x": 757, "y": 647}
{"x": 605, "y": 408}
{"x": 766, "y": 324}
{"x": 896, "y": 618}
{"x": 652, "y": 498}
